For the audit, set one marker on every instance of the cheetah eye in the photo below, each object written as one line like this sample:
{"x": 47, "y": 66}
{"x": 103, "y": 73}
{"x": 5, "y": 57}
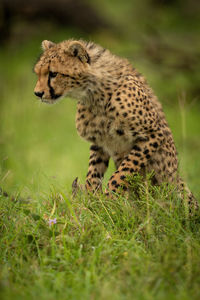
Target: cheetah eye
{"x": 53, "y": 74}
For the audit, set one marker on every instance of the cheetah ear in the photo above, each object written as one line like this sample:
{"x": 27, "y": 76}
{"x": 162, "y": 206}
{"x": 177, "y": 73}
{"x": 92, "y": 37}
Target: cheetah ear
{"x": 77, "y": 50}
{"x": 47, "y": 45}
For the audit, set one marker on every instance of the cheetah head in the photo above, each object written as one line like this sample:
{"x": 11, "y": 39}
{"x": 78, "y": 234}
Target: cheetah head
{"x": 61, "y": 70}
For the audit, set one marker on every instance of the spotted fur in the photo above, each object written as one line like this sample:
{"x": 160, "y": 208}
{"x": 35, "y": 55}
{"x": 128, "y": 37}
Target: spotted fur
{"x": 117, "y": 112}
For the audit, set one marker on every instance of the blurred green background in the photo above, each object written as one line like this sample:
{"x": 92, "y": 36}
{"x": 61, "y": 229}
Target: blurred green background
{"x": 39, "y": 146}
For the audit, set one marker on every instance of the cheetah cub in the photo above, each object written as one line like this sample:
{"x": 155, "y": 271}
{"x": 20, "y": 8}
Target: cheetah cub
{"x": 117, "y": 112}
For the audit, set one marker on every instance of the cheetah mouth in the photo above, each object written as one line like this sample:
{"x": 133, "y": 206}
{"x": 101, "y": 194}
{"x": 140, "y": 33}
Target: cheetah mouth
{"x": 51, "y": 100}
{"x": 56, "y": 96}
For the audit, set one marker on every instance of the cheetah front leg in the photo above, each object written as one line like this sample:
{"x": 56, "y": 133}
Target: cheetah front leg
{"x": 134, "y": 162}
{"x": 98, "y": 164}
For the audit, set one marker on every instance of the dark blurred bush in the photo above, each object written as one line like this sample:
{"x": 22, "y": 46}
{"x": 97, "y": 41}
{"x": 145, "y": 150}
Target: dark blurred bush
{"x": 77, "y": 13}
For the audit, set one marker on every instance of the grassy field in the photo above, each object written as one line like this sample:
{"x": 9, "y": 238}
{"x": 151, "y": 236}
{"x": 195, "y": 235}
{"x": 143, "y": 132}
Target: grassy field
{"x": 56, "y": 247}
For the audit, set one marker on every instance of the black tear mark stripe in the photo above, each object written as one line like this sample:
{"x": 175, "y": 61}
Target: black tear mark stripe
{"x": 51, "y": 90}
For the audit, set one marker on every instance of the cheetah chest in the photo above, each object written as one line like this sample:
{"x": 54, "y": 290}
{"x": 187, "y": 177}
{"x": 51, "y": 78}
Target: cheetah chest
{"x": 105, "y": 132}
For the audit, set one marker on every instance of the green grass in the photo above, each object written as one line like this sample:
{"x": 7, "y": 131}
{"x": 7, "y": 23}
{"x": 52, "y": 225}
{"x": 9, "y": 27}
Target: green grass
{"x": 141, "y": 248}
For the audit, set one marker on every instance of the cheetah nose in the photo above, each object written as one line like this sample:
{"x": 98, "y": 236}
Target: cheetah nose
{"x": 39, "y": 94}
